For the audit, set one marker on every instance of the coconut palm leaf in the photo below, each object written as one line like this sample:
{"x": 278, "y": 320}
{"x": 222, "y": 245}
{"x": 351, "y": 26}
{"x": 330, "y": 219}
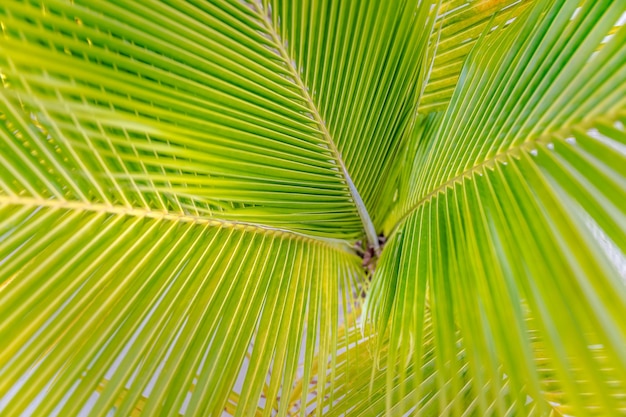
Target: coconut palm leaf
{"x": 168, "y": 160}
{"x": 183, "y": 185}
{"x": 416, "y": 392}
{"x": 511, "y": 228}
{"x": 147, "y": 303}
{"x": 459, "y": 25}
{"x": 141, "y": 195}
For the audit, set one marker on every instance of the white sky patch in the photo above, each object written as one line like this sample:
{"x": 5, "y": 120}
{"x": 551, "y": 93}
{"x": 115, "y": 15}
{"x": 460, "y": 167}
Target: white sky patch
{"x": 595, "y": 133}
{"x": 615, "y": 255}
{"x": 607, "y": 38}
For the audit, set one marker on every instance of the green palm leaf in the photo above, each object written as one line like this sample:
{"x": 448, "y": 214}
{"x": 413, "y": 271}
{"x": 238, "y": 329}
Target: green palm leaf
{"x": 513, "y": 213}
{"x": 184, "y": 186}
{"x": 117, "y": 294}
{"x": 458, "y": 26}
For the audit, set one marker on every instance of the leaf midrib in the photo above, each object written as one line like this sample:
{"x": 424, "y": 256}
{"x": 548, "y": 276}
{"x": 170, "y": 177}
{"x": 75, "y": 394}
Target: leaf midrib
{"x": 366, "y": 220}
{"x": 55, "y": 203}
{"x": 525, "y": 146}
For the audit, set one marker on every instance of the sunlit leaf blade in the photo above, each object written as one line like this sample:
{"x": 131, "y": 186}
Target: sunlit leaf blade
{"x": 181, "y": 107}
{"x": 152, "y": 159}
{"x": 459, "y": 25}
{"x": 182, "y": 185}
{"x": 512, "y": 226}
{"x": 361, "y": 385}
{"x": 363, "y": 64}
{"x": 154, "y": 306}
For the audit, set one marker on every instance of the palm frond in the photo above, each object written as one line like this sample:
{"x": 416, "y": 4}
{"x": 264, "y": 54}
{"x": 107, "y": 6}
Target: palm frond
{"x": 513, "y": 216}
{"x": 194, "y": 113}
{"x": 363, "y": 65}
{"x": 362, "y": 387}
{"x": 182, "y": 184}
{"x": 152, "y": 180}
{"x": 156, "y": 305}
{"x": 459, "y": 25}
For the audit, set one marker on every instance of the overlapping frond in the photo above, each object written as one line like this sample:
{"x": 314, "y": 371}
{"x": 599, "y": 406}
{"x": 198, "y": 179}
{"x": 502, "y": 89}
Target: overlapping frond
{"x": 180, "y": 107}
{"x": 173, "y": 218}
{"x": 363, "y": 64}
{"x": 459, "y": 24}
{"x": 512, "y": 228}
{"x": 153, "y": 306}
{"x": 365, "y": 391}
{"x": 181, "y": 182}
{"x": 534, "y": 83}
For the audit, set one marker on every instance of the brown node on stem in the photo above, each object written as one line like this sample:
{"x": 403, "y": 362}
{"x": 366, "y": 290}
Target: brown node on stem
{"x": 368, "y": 254}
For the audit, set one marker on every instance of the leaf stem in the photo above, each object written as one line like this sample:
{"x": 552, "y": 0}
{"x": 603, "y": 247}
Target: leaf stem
{"x": 120, "y": 210}
{"x": 370, "y": 230}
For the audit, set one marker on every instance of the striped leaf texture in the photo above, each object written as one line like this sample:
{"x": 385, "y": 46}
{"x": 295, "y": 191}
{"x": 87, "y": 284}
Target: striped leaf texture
{"x": 312, "y": 208}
